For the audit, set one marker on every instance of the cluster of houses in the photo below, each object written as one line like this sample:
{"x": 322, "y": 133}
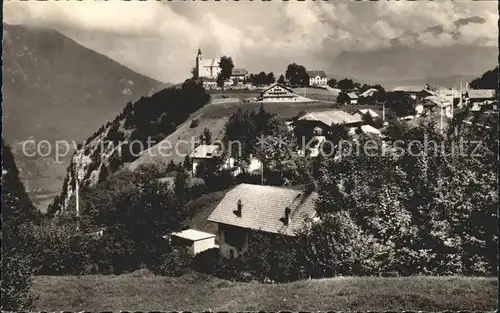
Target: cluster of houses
{"x": 271, "y": 210}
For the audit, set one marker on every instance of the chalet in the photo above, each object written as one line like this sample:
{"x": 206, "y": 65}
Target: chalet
{"x": 369, "y": 96}
{"x": 264, "y": 209}
{"x": 362, "y": 112}
{"x": 203, "y": 154}
{"x": 352, "y": 98}
{"x": 368, "y": 93}
{"x": 317, "y": 78}
{"x": 194, "y": 240}
{"x": 280, "y": 93}
{"x": 315, "y": 147}
{"x": 477, "y": 97}
{"x": 416, "y": 92}
{"x": 433, "y": 104}
{"x": 239, "y": 74}
{"x": 320, "y": 123}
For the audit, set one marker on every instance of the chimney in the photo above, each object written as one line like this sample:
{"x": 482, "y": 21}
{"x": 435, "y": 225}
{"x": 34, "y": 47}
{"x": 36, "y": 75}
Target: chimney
{"x": 287, "y": 216}
{"x": 238, "y": 211}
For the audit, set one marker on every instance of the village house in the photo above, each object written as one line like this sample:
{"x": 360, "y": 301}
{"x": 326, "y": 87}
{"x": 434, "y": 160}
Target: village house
{"x": 268, "y": 210}
{"x": 204, "y": 154}
{"x": 280, "y": 93}
{"x": 433, "y": 104}
{"x": 352, "y": 98}
{"x": 317, "y": 78}
{"x": 194, "y": 240}
{"x": 368, "y": 96}
{"x": 320, "y": 124}
{"x": 362, "y": 112}
{"x": 239, "y": 75}
{"x": 368, "y": 93}
{"x": 478, "y": 97}
{"x": 416, "y": 92}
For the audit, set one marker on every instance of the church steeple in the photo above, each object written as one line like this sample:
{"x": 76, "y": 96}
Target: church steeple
{"x": 199, "y": 51}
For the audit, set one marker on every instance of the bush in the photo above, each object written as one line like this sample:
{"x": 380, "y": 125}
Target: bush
{"x": 207, "y": 262}
{"x": 175, "y": 263}
{"x": 59, "y": 250}
{"x": 16, "y": 280}
{"x": 194, "y": 123}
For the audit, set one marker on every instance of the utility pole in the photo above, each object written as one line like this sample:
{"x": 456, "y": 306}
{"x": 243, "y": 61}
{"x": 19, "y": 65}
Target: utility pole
{"x": 262, "y": 173}
{"x": 452, "y": 99}
{"x": 461, "y": 95}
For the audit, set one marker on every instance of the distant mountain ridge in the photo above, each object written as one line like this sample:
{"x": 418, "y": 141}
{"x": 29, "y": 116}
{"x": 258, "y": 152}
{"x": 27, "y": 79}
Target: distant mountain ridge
{"x": 56, "y": 89}
{"x": 407, "y": 59}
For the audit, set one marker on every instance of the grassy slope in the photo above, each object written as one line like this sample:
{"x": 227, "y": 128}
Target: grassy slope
{"x": 214, "y": 116}
{"x": 143, "y": 291}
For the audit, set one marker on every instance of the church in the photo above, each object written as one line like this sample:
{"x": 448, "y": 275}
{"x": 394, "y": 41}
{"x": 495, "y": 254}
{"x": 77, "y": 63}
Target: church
{"x": 207, "y": 68}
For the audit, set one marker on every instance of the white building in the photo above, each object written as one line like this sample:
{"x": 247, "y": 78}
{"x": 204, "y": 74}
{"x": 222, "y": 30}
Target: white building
{"x": 196, "y": 241}
{"x": 206, "y": 68}
{"x": 209, "y": 69}
{"x": 203, "y": 154}
{"x": 280, "y": 93}
{"x": 317, "y": 78}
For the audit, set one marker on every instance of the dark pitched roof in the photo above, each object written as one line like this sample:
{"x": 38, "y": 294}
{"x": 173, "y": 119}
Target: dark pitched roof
{"x": 315, "y": 73}
{"x": 264, "y": 208}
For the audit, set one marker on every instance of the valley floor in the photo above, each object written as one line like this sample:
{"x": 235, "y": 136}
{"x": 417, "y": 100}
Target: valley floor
{"x": 143, "y": 291}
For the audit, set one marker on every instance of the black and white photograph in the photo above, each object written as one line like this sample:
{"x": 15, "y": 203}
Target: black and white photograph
{"x": 239, "y": 156}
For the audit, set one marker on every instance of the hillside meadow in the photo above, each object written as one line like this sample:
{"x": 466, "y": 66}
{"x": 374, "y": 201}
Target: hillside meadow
{"x": 141, "y": 290}
{"x": 215, "y": 115}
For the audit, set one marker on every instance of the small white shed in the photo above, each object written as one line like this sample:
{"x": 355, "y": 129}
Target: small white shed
{"x": 196, "y": 241}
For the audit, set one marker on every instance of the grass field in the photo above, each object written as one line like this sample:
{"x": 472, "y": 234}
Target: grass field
{"x": 143, "y": 291}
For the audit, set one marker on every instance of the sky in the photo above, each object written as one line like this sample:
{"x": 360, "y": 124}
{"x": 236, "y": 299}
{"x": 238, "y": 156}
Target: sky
{"x": 161, "y": 39}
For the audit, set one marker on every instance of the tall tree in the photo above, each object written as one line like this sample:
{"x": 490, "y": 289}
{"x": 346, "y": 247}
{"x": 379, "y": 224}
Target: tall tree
{"x": 220, "y": 80}
{"x": 226, "y": 66}
{"x": 332, "y": 82}
{"x": 17, "y": 213}
{"x": 346, "y": 84}
{"x": 261, "y": 78}
{"x": 296, "y": 74}
{"x": 270, "y": 79}
{"x": 400, "y": 103}
{"x": 281, "y": 79}
{"x": 207, "y": 136}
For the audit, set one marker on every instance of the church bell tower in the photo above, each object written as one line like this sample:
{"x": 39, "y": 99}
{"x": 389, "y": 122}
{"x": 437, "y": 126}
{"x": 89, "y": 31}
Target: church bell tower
{"x": 199, "y": 63}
